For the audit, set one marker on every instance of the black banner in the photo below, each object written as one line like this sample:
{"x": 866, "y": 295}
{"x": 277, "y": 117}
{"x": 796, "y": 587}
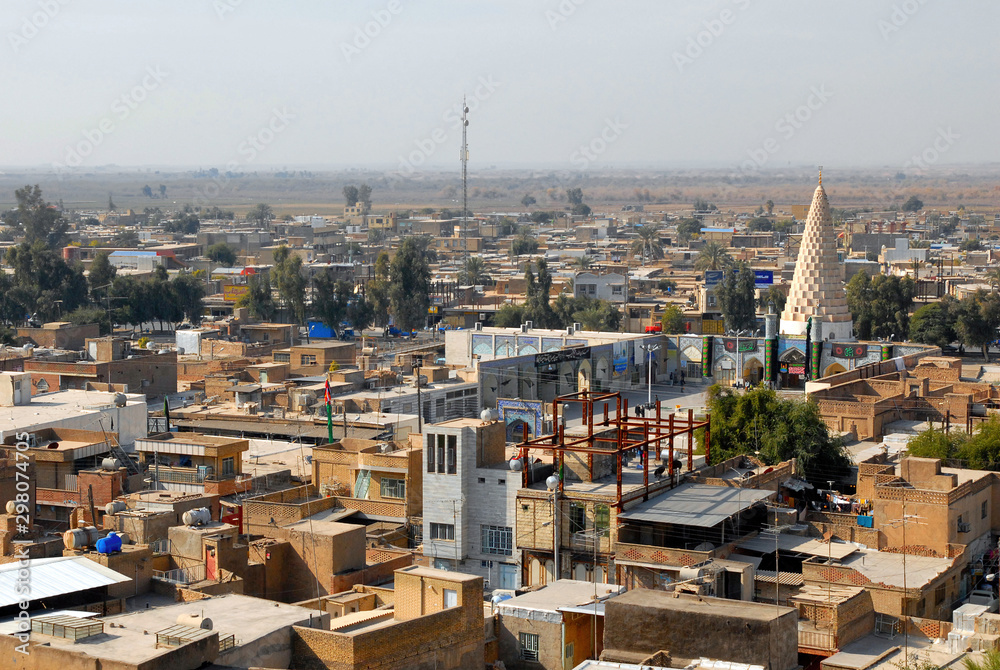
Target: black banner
{"x": 561, "y": 356}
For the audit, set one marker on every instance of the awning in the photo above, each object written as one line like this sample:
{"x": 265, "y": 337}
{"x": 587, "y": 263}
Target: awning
{"x": 696, "y": 505}
{"x": 56, "y": 576}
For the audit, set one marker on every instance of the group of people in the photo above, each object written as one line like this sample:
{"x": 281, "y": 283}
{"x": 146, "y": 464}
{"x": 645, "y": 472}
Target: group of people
{"x": 677, "y": 378}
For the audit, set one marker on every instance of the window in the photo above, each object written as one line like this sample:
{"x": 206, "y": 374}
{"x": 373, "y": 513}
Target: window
{"x": 227, "y": 466}
{"x": 617, "y": 289}
{"x": 577, "y": 518}
{"x": 569, "y": 650}
{"x": 529, "y": 646}
{"x": 983, "y": 512}
{"x": 450, "y": 598}
{"x": 443, "y": 531}
{"x": 307, "y": 359}
{"x": 282, "y": 357}
{"x": 440, "y": 454}
{"x": 393, "y": 488}
{"x": 430, "y": 453}
{"x": 452, "y": 454}
{"x": 711, "y": 301}
{"x": 502, "y": 482}
{"x": 602, "y": 517}
{"x": 497, "y": 540}
{"x": 482, "y": 480}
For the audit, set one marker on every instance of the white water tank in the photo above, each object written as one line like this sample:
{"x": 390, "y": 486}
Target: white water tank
{"x": 195, "y": 621}
{"x": 11, "y": 507}
{"x": 197, "y": 517}
{"x": 79, "y": 538}
{"x": 110, "y": 464}
{"x": 114, "y": 506}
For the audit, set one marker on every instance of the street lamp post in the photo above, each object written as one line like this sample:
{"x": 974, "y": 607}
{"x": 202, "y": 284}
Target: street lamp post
{"x": 649, "y": 349}
{"x": 552, "y": 484}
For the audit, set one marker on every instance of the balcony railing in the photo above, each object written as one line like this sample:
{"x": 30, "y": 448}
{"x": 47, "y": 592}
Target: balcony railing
{"x": 195, "y": 573}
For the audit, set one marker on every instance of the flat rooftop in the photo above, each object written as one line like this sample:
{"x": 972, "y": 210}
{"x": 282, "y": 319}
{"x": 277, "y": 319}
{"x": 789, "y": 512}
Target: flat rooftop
{"x": 559, "y": 594}
{"x": 684, "y": 602}
{"x": 434, "y": 573}
{"x": 188, "y": 438}
{"x": 885, "y": 567}
{"x": 325, "y": 523}
{"x": 696, "y": 505}
{"x": 48, "y": 408}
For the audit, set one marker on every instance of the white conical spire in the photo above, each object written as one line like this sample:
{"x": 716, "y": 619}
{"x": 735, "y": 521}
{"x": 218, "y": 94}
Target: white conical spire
{"x": 817, "y": 286}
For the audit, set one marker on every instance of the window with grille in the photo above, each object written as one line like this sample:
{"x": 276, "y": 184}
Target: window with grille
{"x": 452, "y": 454}
{"x": 602, "y": 517}
{"x": 440, "y": 454}
{"x": 393, "y": 488}
{"x": 442, "y": 531}
{"x": 430, "y": 453}
{"x": 307, "y": 359}
{"x": 529, "y": 646}
{"x": 577, "y": 518}
{"x": 497, "y": 540}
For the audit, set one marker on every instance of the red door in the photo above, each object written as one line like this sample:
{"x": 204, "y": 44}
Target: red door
{"x": 211, "y": 564}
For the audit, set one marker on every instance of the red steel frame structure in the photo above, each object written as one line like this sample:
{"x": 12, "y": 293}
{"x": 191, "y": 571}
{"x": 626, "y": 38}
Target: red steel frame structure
{"x": 643, "y": 433}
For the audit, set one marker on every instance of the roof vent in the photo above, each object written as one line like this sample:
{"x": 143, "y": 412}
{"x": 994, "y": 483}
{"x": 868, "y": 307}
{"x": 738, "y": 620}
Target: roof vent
{"x": 479, "y": 325}
{"x": 577, "y": 327}
{"x": 68, "y": 627}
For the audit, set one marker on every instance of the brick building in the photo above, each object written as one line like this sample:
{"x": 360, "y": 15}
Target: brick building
{"x": 195, "y": 463}
{"x": 436, "y": 623}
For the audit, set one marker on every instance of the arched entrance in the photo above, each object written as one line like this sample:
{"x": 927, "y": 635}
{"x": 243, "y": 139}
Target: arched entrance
{"x": 833, "y": 369}
{"x": 583, "y": 376}
{"x": 725, "y": 371}
{"x": 753, "y": 371}
{"x": 792, "y": 369}
{"x": 691, "y": 361}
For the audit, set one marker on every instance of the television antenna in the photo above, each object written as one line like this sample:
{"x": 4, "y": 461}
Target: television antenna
{"x": 465, "y": 179}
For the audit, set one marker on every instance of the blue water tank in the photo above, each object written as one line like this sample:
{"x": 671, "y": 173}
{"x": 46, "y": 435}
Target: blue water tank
{"x": 109, "y": 544}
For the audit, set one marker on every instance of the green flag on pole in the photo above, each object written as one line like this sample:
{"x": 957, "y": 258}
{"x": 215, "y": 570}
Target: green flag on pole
{"x": 329, "y": 414}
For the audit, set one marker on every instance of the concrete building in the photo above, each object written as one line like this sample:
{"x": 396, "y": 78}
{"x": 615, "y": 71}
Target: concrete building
{"x": 194, "y": 463}
{"x": 124, "y": 414}
{"x": 60, "y": 335}
{"x": 315, "y": 359}
{"x": 609, "y": 287}
{"x": 643, "y": 622}
{"x": 469, "y": 501}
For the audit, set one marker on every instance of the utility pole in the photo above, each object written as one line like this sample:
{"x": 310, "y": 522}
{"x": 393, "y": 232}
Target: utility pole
{"x": 420, "y": 406}
{"x": 465, "y": 180}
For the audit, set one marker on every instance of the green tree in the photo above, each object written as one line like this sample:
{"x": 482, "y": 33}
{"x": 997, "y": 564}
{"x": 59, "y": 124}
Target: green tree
{"x": 163, "y": 191}
{"x": 990, "y": 661}
{"x": 290, "y": 283}
{"x": 351, "y": 195}
{"x": 39, "y": 220}
{"x": 772, "y": 295}
{"x": 760, "y": 224}
{"x": 261, "y": 215}
{"x": 583, "y": 262}
{"x": 580, "y": 209}
{"x": 101, "y": 274}
{"x": 934, "y": 323}
{"x": 713, "y": 256}
{"x": 188, "y": 294}
{"x": 528, "y": 200}
{"x": 147, "y": 191}
{"x": 258, "y": 299}
{"x": 977, "y": 319}
{"x": 574, "y": 196}
{"x": 84, "y": 315}
{"x": 186, "y": 224}
{"x": 769, "y": 207}
{"x": 409, "y": 284}
{"x": 913, "y": 204}
{"x": 537, "y": 308}
{"x": 672, "y": 319}
{"x": 762, "y": 423}
{"x": 377, "y": 290}
{"x": 509, "y": 316}
{"x": 688, "y": 229}
{"x": 970, "y": 245}
{"x": 982, "y": 450}
{"x": 880, "y": 305}
{"x": 222, "y": 253}
{"x": 648, "y": 245}
{"x": 474, "y": 272}
{"x": 933, "y": 443}
{"x": 736, "y": 294}
{"x": 525, "y": 243}
{"x": 365, "y": 198}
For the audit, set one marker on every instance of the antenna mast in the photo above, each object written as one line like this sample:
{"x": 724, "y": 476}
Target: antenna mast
{"x": 465, "y": 179}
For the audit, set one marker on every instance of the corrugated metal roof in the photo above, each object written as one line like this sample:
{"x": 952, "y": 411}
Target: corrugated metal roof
{"x": 784, "y": 578}
{"x": 800, "y": 545}
{"x": 696, "y": 505}
{"x": 60, "y": 575}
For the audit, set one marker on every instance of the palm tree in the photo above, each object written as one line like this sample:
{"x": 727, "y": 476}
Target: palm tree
{"x": 990, "y": 661}
{"x": 583, "y": 262}
{"x": 713, "y": 256}
{"x": 474, "y": 272}
{"x": 993, "y": 277}
{"x": 648, "y": 245}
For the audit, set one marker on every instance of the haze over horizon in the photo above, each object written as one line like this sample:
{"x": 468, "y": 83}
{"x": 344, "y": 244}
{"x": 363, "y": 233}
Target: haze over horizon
{"x": 572, "y": 84}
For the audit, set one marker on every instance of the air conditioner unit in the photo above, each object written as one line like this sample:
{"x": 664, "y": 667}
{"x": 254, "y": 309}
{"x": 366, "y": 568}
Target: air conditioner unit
{"x": 964, "y": 527}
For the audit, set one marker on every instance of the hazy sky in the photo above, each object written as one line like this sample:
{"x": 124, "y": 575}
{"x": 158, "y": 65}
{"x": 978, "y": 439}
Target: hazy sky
{"x": 664, "y": 83}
